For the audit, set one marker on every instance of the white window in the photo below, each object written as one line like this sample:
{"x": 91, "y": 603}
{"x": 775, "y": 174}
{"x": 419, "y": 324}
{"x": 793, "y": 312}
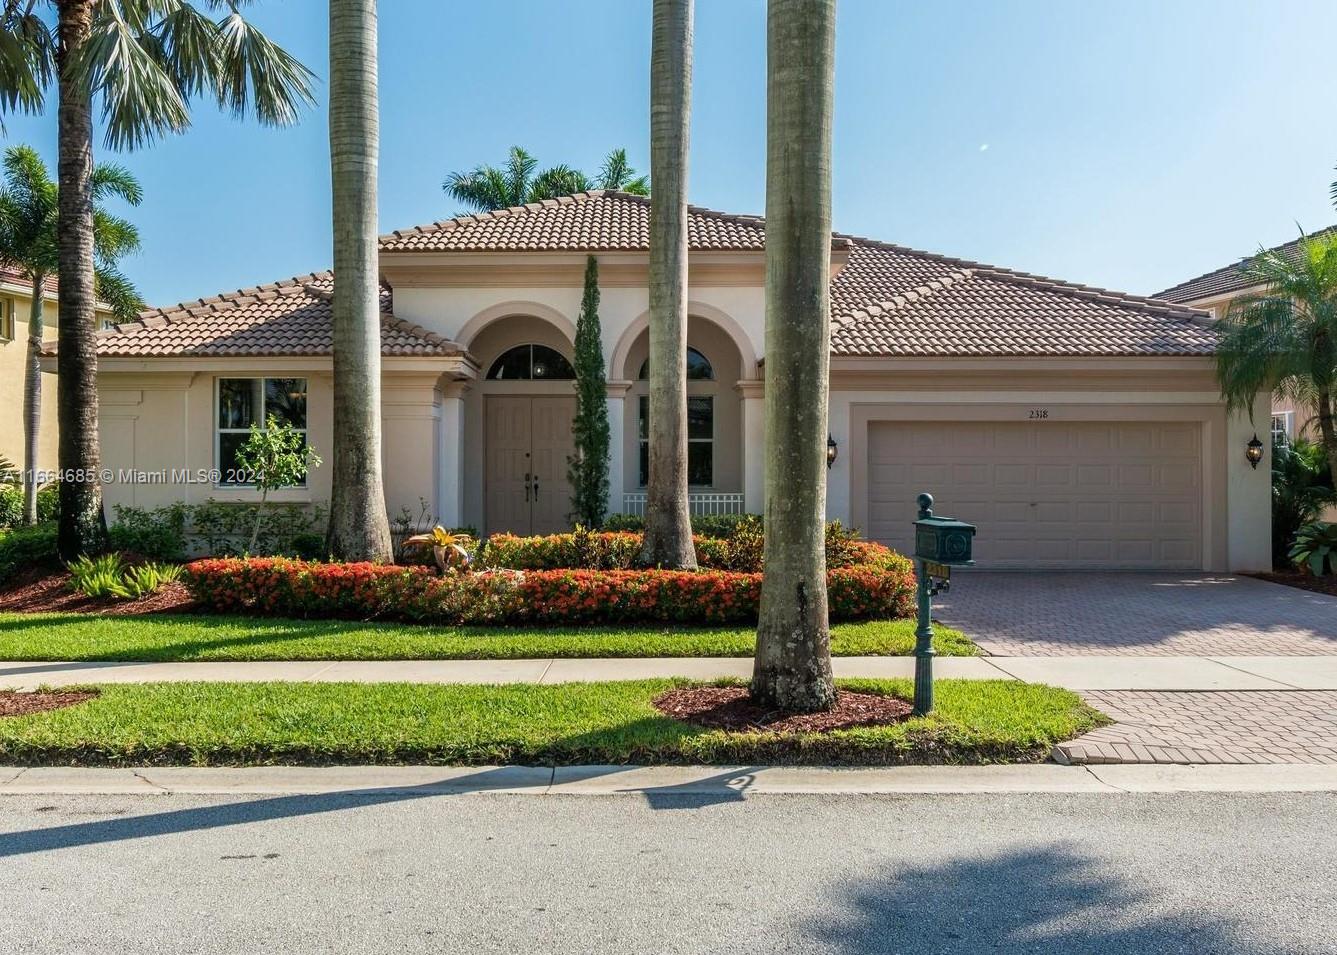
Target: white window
{"x": 7, "y": 311}
{"x": 1283, "y": 426}
{"x": 243, "y": 402}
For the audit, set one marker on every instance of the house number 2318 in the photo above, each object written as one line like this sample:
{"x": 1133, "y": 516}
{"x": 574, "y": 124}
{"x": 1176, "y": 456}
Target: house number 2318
{"x": 1038, "y": 414}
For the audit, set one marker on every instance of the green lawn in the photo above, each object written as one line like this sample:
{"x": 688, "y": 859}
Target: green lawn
{"x": 263, "y": 723}
{"x": 91, "y": 637}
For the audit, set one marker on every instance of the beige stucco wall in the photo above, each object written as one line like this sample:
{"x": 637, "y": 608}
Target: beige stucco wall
{"x": 13, "y": 355}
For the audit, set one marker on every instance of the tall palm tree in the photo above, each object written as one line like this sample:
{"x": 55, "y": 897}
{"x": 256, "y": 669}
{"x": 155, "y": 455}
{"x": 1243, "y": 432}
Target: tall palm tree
{"x": 145, "y": 59}
{"x": 28, "y": 243}
{"x": 793, "y": 664}
{"x": 486, "y": 188}
{"x": 668, "y": 524}
{"x": 1284, "y": 338}
{"x": 359, "y": 527}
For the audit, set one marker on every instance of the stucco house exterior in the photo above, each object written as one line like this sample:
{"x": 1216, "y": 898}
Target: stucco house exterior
{"x": 1214, "y": 292}
{"x": 1079, "y": 428}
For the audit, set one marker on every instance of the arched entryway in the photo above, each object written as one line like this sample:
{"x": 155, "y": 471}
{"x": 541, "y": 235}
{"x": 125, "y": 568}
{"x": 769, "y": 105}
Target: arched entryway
{"x": 522, "y": 412}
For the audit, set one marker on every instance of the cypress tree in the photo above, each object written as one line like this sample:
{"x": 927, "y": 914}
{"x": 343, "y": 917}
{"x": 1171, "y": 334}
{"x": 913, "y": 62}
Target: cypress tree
{"x": 588, "y": 467}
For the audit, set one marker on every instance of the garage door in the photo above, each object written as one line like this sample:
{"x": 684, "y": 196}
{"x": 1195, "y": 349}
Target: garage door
{"x": 1078, "y": 495}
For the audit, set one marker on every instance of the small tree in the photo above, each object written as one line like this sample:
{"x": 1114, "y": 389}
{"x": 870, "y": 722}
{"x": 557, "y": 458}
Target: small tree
{"x": 276, "y": 456}
{"x": 588, "y": 467}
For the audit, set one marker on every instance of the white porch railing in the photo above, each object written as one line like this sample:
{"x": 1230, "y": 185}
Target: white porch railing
{"x": 699, "y": 503}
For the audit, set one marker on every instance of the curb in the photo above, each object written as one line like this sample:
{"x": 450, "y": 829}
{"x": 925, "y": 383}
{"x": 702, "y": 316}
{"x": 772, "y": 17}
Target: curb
{"x": 721, "y": 782}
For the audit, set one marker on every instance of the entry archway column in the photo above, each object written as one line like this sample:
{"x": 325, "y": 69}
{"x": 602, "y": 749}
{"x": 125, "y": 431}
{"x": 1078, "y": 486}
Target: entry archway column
{"x": 451, "y": 455}
{"x": 617, "y": 444}
{"x": 754, "y": 445}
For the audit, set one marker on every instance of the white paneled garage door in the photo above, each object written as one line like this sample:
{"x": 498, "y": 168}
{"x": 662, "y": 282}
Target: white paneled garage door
{"x": 1078, "y": 495}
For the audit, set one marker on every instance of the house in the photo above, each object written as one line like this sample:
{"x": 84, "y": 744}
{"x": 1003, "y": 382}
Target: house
{"x": 1079, "y": 428}
{"x": 1213, "y": 292}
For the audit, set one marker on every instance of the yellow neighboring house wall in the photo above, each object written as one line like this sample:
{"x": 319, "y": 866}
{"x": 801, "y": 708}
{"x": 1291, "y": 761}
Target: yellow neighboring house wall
{"x": 15, "y": 305}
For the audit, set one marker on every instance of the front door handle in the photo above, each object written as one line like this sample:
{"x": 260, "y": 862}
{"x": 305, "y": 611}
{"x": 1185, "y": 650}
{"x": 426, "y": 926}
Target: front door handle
{"x": 536, "y": 487}
{"x": 526, "y": 486}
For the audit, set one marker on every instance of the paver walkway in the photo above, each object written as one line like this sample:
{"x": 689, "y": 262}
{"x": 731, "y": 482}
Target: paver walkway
{"x": 1219, "y": 727}
{"x": 1138, "y": 614}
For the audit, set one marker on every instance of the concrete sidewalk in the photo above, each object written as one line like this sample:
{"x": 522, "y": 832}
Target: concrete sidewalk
{"x": 734, "y": 782}
{"x": 1075, "y": 673}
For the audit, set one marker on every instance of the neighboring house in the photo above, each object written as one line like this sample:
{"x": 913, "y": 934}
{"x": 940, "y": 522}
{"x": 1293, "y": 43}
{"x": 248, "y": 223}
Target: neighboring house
{"x": 1079, "y": 428}
{"x": 15, "y": 303}
{"x": 1213, "y": 293}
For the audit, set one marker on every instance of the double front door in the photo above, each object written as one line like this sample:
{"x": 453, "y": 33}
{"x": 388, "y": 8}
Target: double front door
{"x": 528, "y": 442}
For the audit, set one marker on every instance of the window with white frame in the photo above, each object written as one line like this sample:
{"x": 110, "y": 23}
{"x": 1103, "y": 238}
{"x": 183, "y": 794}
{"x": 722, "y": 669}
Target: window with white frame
{"x": 1283, "y": 426}
{"x": 243, "y": 402}
{"x": 8, "y": 309}
{"x": 700, "y": 440}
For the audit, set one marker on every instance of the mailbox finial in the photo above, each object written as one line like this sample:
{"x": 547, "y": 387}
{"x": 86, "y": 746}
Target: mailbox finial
{"x": 925, "y": 502}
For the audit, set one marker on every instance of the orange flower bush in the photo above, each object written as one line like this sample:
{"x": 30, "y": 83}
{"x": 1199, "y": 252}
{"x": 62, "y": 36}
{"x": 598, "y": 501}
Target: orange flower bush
{"x": 880, "y": 586}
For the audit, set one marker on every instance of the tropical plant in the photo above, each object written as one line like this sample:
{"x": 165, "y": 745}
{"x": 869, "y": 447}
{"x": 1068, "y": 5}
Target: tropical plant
{"x": 97, "y": 577}
{"x": 145, "y": 579}
{"x": 145, "y": 60}
{"x": 8, "y": 473}
{"x": 793, "y": 663}
{"x": 448, "y": 548}
{"x": 587, "y": 469}
{"x": 1284, "y": 338}
{"x": 1315, "y": 548}
{"x": 28, "y": 243}
{"x": 668, "y": 524}
{"x": 359, "y": 525}
{"x": 1301, "y": 489}
{"x": 486, "y": 188}
{"x": 275, "y": 456}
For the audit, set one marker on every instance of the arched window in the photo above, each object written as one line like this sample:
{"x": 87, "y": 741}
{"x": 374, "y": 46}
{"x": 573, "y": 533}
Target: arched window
{"x": 531, "y": 363}
{"x": 698, "y": 367}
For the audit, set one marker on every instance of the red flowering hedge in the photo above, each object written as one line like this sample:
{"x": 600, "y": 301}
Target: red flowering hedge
{"x": 882, "y": 588}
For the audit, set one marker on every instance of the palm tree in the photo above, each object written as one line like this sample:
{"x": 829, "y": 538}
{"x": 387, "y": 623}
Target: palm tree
{"x": 668, "y": 524}
{"x": 792, "y": 671}
{"x": 28, "y": 243}
{"x": 486, "y": 188}
{"x": 146, "y": 59}
{"x": 1284, "y": 338}
{"x": 359, "y": 527}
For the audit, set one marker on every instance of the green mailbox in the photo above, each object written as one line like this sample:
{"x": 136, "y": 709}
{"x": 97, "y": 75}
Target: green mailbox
{"x": 943, "y": 540}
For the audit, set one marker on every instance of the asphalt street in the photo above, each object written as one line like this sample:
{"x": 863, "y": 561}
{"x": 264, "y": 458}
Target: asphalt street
{"x": 665, "y": 873}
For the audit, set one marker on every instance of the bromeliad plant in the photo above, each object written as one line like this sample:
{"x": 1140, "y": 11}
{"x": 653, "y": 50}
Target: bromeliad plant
{"x": 108, "y": 577}
{"x": 448, "y": 550}
{"x": 1315, "y": 548}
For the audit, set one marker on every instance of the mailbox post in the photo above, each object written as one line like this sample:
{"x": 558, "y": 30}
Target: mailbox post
{"x": 940, "y": 544}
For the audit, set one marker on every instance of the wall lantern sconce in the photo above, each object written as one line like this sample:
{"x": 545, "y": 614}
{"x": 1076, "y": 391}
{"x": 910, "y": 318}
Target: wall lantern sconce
{"x": 1254, "y": 452}
{"x": 831, "y": 451}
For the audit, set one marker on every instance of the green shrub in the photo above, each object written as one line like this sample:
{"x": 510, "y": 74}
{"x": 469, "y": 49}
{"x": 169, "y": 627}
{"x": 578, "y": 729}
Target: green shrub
{"x": 98, "y": 577}
{"x": 158, "y": 534}
{"x": 1301, "y": 489}
{"x": 147, "y": 578}
{"x": 1315, "y": 548}
{"x": 27, "y": 547}
{"x": 285, "y": 529}
{"x": 48, "y": 503}
{"x": 11, "y": 505}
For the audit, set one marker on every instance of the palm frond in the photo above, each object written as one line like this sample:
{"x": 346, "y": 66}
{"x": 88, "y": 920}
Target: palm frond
{"x": 617, "y": 173}
{"x": 113, "y": 237}
{"x": 520, "y": 166}
{"x": 118, "y": 292}
{"x": 640, "y": 186}
{"x": 111, "y": 180}
{"x": 557, "y": 181}
{"x": 254, "y": 73}
{"x": 27, "y": 60}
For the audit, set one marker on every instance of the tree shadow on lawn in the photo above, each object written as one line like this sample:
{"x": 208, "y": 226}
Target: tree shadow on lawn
{"x": 1048, "y": 899}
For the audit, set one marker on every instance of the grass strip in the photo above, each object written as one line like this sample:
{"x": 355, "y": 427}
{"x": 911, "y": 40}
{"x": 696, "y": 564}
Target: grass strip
{"x": 89, "y": 637}
{"x": 976, "y": 721}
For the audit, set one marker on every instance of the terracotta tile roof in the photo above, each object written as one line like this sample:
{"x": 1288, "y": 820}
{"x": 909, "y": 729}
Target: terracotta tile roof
{"x": 288, "y": 318}
{"x": 892, "y": 301}
{"x": 1231, "y": 278}
{"x": 13, "y": 276}
{"x": 598, "y": 221}
{"x": 887, "y": 301}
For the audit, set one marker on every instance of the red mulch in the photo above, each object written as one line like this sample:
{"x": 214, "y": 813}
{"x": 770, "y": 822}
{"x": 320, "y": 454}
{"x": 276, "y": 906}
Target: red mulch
{"x": 21, "y": 704}
{"x": 41, "y": 590}
{"x": 732, "y": 708}
{"x": 1319, "y": 585}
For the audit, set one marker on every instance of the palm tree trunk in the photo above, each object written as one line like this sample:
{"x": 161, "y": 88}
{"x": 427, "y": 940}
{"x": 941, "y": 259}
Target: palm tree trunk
{"x": 668, "y": 523}
{"x": 83, "y": 529}
{"x": 793, "y": 663}
{"x": 359, "y": 526}
{"x": 32, "y": 399}
{"x": 1327, "y": 428}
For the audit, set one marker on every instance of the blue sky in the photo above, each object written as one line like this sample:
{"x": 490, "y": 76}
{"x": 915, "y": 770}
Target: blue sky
{"x": 1129, "y": 145}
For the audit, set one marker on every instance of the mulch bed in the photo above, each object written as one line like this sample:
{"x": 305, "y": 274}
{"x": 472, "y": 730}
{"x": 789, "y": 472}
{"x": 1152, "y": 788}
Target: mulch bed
{"x": 41, "y": 590}
{"x": 13, "y": 703}
{"x": 1319, "y": 585}
{"x": 732, "y": 708}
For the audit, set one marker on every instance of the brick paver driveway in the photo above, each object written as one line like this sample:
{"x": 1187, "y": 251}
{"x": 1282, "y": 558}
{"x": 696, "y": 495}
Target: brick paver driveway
{"x": 1055, "y": 614}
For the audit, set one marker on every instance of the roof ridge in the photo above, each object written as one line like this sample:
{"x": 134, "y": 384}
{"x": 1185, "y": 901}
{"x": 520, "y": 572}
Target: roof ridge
{"x": 901, "y": 299}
